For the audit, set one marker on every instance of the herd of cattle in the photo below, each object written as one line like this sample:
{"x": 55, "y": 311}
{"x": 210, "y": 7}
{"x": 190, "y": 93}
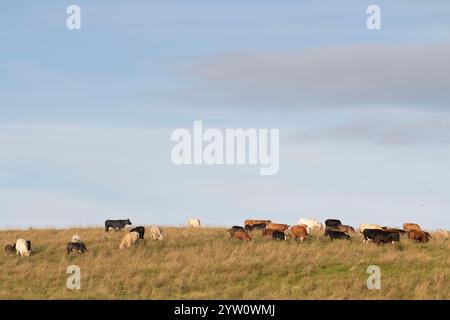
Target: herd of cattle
{"x": 334, "y": 229}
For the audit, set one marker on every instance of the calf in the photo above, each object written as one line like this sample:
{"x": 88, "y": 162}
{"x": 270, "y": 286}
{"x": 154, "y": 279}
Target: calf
{"x": 116, "y": 224}
{"x": 419, "y": 236}
{"x": 278, "y": 235}
{"x": 332, "y": 223}
{"x": 380, "y": 236}
{"x": 140, "y": 230}
{"x": 240, "y": 235}
{"x": 76, "y": 246}
{"x": 333, "y": 234}
{"x": 10, "y": 249}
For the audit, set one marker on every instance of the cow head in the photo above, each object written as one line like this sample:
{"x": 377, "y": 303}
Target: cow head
{"x": 129, "y": 222}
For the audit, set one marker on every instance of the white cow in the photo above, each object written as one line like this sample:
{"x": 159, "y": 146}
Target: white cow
{"x": 155, "y": 233}
{"x": 23, "y": 247}
{"x": 194, "y": 223}
{"x": 129, "y": 239}
{"x": 365, "y": 226}
{"x": 311, "y": 224}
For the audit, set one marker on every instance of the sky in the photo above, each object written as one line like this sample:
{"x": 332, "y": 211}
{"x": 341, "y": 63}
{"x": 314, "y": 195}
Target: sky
{"x": 86, "y": 115}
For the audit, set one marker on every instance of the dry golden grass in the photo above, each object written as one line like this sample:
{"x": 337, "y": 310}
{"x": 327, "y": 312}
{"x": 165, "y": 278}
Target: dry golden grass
{"x": 207, "y": 264}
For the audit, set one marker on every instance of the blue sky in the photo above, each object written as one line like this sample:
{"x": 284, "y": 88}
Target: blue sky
{"x": 86, "y": 115}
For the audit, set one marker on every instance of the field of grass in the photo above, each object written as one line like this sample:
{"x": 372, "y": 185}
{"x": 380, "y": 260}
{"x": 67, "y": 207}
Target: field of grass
{"x": 207, "y": 264}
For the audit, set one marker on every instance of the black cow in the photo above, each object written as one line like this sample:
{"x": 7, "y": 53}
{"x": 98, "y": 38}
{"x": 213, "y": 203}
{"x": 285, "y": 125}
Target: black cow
{"x": 76, "y": 246}
{"x": 381, "y": 236}
{"x": 116, "y": 224}
{"x": 10, "y": 249}
{"x": 333, "y": 234}
{"x": 140, "y": 230}
{"x": 259, "y": 226}
{"x": 237, "y": 228}
{"x": 332, "y": 223}
{"x": 278, "y": 235}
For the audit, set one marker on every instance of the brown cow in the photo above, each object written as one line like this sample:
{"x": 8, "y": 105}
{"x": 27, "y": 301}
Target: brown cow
{"x": 345, "y": 228}
{"x": 268, "y": 232}
{"x": 411, "y": 226}
{"x": 298, "y": 232}
{"x": 277, "y": 226}
{"x": 419, "y": 236}
{"x": 240, "y": 235}
{"x": 251, "y": 223}
{"x": 10, "y": 249}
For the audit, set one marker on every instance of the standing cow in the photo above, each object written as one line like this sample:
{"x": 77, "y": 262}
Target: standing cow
{"x": 116, "y": 225}
{"x": 277, "y": 226}
{"x": 298, "y": 232}
{"x": 23, "y": 247}
{"x": 411, "y": 226}
{"x": 332, "y": 223}
{"x": 194, "y": 223}
{"x": 311, "y": 224}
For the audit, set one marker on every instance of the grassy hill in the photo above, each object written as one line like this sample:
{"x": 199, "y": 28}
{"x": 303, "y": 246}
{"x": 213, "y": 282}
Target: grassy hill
{"x": 207, "y": 264}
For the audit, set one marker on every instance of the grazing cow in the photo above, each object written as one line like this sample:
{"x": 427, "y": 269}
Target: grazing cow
{"x": 76, "y": 238}
{"x": 240, "y": 235}
{"x": 278, "y": 235}
{"x": 345, "y": 228}
{"x": 333, "y": 234}
{"x": 76, "y": 246}
{"x": 128, "y": 240}
{"x": 194, "y": 223}
{"x": 311, "y": 224}
{"x": 298, "y": 232}
{"x": 332, "y": 223}
{"x": 116, "y": 225}
{"x": 23, "y": 247}
{"x": 365, "y": 226}
{"x": 268, "y": 232}
{"x": 277, "y": 226}
{"x": 419, "y": 236}
{"x": 411, "y": 226}
{"x": 155, "y": 233}
{"x": 140, "y": 230}
{"x": 237, "y": 228}
{"x": 380, "y": 236}
{"x": 10, "y": 249}
{"x": 258, "y": 226}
